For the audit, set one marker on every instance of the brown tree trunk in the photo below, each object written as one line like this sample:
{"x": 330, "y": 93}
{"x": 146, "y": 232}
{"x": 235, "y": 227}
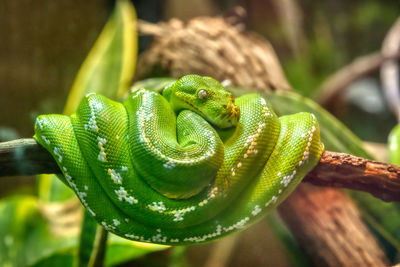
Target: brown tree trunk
{"x": 329, "y": 227}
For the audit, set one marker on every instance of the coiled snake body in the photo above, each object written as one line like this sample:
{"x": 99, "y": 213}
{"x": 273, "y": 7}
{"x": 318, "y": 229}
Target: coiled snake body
{"x": 150, "y": 175}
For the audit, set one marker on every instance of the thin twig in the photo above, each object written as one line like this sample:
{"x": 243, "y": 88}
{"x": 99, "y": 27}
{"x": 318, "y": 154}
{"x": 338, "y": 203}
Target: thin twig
{"x": 26, "y": 157}
{"x": 357, "y": 69}
{"x": 148, "y": 28}
{"x": 390, "y": 69}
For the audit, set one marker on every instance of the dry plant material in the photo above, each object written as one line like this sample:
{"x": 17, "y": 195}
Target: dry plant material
{"x": 206, "y": 46}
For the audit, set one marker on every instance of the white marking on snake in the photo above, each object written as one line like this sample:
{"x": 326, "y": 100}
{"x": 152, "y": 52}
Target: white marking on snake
{"x": 238, "y": 225}
{"x": 124, "y": 196}
{"x": 115, "y": 176}
{"x": 287, "y": 178}
{"x": 108, "y": 227}
{"x": 57, "y": 152}
{"x": 81, "y": 195}
{"x": 159, "y": 238}
{"x": 256, "y": 210}
{"x": 132, "y": 236}
{"x": 157, "y": 206}
{"x": 92, "y": 125}
{"x": 47, "y": 141}
{"x": 218, "y": 231}
{"x": 272, "y": 200}
{"x": 41, "y": 123}
{"x": 102, "y": 154}
{"x": 178, "y": 214}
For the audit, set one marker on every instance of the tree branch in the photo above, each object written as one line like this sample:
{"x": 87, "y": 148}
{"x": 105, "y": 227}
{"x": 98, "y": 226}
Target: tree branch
{"x": 360, "y": 67}
{"x": 26, "y": 157}
{"x": 346, "y": 171}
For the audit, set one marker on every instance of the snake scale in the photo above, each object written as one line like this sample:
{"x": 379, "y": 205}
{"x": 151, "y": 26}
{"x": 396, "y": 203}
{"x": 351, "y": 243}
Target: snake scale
{"x": 187, "y": 165}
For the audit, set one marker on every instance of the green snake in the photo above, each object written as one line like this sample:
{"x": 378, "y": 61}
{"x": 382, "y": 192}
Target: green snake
{"x": 188, "y": 164}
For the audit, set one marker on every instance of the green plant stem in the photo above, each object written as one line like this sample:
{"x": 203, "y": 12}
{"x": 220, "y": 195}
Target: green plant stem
{"x": 98, "y": 255}
{"x": 92, "y": 243}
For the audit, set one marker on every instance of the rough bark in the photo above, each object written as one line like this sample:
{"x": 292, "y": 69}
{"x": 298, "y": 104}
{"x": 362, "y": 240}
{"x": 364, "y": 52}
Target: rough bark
{"x": 346, "y": 171}
{"x": 329, "y": 227}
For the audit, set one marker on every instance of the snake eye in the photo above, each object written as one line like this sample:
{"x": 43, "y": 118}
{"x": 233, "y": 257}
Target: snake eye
{"x": 202, "y": 93}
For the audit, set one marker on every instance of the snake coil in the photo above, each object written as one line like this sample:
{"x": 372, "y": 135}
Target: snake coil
{"x": 149, "y": 175}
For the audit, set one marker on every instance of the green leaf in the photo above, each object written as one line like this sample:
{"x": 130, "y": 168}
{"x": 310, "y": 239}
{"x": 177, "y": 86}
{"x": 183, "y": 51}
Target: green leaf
{"x": 28, "y": 239}
{"x": 87, "y": 239}
{"x": 60, "y": 259}
{"x": 25, "y": 232}
{"x": 110, "y": 65}
{"x": 334, "y": 134}
{"x": 156, "y": 84}
{"x": 108, "y": 70}
{"x": 394, "y": 145}
{"x": 120, "y": 250}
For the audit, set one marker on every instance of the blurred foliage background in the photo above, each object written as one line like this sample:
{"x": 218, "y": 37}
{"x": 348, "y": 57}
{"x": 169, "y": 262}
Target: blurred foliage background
{"x": 43, "y": 44}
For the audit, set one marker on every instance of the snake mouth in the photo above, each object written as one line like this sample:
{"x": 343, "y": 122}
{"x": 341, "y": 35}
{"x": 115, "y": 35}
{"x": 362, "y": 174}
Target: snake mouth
{"x": 231, "y": 115}
{"x": 228, "y": 117}
{"x": 234, "y": 112}
{"x": 195, "y": 109}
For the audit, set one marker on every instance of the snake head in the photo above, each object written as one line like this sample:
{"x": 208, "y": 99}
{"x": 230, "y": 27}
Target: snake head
{"x": 205, "y": 96}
